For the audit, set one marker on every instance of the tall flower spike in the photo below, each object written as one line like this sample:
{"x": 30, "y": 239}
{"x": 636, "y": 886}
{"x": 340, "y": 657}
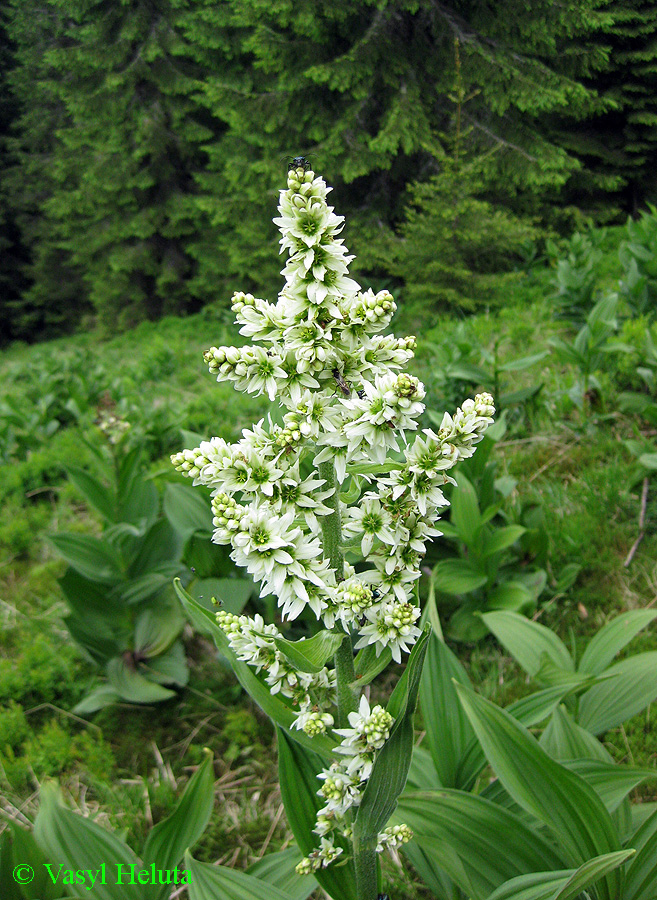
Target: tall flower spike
{"x": 345, "y": 404}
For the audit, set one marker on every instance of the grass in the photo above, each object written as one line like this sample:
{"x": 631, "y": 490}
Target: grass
{"x": 571, "y": 462}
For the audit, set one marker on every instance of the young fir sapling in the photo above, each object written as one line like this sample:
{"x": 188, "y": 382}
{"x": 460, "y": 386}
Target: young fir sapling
{"x": 319, "y": 351}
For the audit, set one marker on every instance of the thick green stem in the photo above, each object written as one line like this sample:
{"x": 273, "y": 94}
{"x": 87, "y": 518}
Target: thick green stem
{"x": 332, "y": 541}
{"x": 364, "y": 858}
{"x": 366, "y": 874}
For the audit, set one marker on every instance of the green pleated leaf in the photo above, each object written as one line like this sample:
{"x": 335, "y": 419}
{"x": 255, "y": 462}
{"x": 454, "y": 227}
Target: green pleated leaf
{"x": 528, "y": 642}
{"x": 563, "y": 885}
{"x": 208, "y": 882}
{"x": 550, "y": 792}
{"x": 478, "y": 843}
{"x": 457, "y": 576}
{"x": 564, "y": 739}
{"x": 641, "y": 873}
{"x": 298, "y": 770}
{"x": 26, "y": 851}
{"x": 631, "y": 686}
{"x": 12, "y": 890}
{"x": 78, "y": 843}
{"x": 133, "y": 687}
{"x": 390, "y": 769}
{"x": 92, "y": 557}
{"x": 169, "y": 667}
{"x": 611, "y": 782}
{"x": 156, "y": 630}
{"x": 465, "y": 515}
{"x": 449, "y": 732}
{"x": 502, "y": 538}
{"x": 188, "y": 509}
{"x": 144, "y": 586}
{"x": 529, "y": 711}
{"x": 279, "y": 869}
{"x": 99, "y": 496}
{"x": 611, "y": 639}
{"x": 101, "y": 696}
{"x": 368, "y": 665}
{"x": 168, "y": 840}
{"x": 311, "y": 655}
{"x": 159, "y": 550}
{"x": 275, "y": 708}
{"x": 234, "y": 593}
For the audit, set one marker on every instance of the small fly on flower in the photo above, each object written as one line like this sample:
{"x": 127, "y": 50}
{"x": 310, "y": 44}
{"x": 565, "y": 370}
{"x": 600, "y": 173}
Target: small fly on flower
{"x": 341, "y": 383}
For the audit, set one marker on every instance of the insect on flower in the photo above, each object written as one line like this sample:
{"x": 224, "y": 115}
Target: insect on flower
{"x": 299, "y": 162}
{"x": 341, "y": 383}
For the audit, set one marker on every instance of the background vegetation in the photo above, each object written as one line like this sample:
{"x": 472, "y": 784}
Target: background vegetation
{"x": 143, "y": 144}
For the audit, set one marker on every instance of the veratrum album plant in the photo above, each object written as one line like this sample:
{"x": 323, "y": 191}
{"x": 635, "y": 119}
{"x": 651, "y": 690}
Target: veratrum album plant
{"x": 344, "y": 541}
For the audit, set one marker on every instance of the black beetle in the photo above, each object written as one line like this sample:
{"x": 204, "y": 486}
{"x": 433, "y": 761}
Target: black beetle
{"x": 299, "y": 162}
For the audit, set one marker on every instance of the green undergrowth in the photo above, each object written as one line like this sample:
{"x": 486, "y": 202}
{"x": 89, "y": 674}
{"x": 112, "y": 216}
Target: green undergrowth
{"x": 128, "y": 764}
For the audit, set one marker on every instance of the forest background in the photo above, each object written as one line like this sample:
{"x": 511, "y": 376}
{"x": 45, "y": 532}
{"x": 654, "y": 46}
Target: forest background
{"x": 144, "y": 143}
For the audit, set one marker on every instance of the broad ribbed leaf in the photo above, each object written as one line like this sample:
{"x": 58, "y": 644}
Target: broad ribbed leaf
{"x": 564, "y": 739}
{"x": 528, "y": 642}
{"x": 631, "y": 686}
{"x": 479, "y": 844}
{"x": 99, "y": 496}
{"x": 78, "y": 843}
{"x": 188, "y": 509}
{"x": 529, "y": 711}
{"x": 144, "y": 586}
{"x": 101, "y": 696}
{"x": 641, "y": 873}
{"x": 449, "y": 732}
{"x": 92, "y": 557}
{"x": 501, "y": 539}
{"x": 7, "y": 864}
{"x": 26, "y": 851}
{"x": 554, "y": 795}
{"x": 611, "y": 782}
{"x": 298, "y": 770}
{"x": 155, "y": 630}
{"x": 159, "y": 549}
{"x": 457, "y": 576}
{"x": 368, "y": 665}
{"x": 563, "y": 885}
{"x": 390, "y": 769}
{"x": 311, "y": 655}
{"x": 168, "y": 840}
{"x": 276, "y": 709}
{"x": 132, "y": 686}
{"x": 208, "y": 882}
{"x": 279, "y": 869}
{"x": 465, "y": 514}
{"x": 611, "y": 639}
{"x": 234, "y": 593}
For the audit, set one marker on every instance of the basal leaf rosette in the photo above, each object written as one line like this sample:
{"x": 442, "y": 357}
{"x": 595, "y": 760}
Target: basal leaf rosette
{"x": 347, "y": 405}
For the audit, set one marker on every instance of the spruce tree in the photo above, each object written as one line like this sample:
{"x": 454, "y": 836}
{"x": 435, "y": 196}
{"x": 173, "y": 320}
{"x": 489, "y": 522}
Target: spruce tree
{"x": 44, "y": 292}
{"x": 122, "y": 198}
{"x": 361, "y": 88}
{"x": 619, "y": 147}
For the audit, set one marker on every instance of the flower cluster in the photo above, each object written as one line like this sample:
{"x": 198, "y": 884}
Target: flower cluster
{"x": 348, "y": 406}
{"x": 255, "y": 644}
{"x": 344, "y": 781}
